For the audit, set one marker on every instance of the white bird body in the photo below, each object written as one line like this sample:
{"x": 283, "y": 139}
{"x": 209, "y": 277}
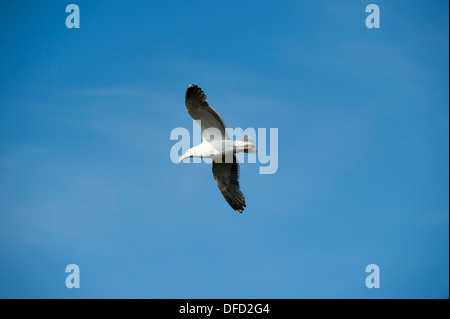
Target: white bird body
{"x": 219, "y": 149}
{"x": 213, "y": 149}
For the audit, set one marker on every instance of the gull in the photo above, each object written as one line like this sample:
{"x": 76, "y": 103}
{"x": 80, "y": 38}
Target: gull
{"x": 218, "y": 146}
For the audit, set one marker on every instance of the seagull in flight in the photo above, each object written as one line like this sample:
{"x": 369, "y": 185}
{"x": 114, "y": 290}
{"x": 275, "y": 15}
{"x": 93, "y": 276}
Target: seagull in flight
{"x": 218, "y": 146}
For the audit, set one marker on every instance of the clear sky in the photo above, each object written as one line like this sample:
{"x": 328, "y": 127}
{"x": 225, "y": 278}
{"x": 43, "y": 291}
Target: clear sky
{"x": 86, "y": 176}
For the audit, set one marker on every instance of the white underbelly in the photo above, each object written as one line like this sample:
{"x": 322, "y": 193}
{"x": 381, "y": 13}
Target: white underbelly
{"x": 217, "y": 149}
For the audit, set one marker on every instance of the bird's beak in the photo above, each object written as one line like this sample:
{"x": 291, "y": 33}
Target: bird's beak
{"x": 182, "y": 157}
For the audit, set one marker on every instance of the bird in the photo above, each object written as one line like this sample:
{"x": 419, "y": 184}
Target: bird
{"x": 217, "y": 145}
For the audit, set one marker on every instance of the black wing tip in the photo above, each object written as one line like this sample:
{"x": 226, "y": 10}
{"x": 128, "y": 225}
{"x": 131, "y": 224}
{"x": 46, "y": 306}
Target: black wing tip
{"x": 240, "y": 208}
{"x": 235, "y": 203}
{"x": 194, "y": 90}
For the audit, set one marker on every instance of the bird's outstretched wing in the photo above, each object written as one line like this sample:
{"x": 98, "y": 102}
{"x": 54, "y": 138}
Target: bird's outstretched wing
{"x": 199, "y": 109}
{"x": 227, "y": 179}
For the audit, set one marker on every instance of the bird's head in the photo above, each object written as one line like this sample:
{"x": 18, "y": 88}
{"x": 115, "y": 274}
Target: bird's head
{"x": 186, "y": 155}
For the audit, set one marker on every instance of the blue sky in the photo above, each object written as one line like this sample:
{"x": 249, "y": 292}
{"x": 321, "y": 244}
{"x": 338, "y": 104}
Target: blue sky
{"x": 86, "y": 177}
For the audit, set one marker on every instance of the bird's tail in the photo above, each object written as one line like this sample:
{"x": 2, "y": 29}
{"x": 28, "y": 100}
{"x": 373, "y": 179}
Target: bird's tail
{"x": 245, "y": 145}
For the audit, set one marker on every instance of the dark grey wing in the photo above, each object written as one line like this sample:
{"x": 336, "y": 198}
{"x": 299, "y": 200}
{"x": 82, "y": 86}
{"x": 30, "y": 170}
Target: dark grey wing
{"x": 199, "y": 109}
{"x": 227, "y": 179}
